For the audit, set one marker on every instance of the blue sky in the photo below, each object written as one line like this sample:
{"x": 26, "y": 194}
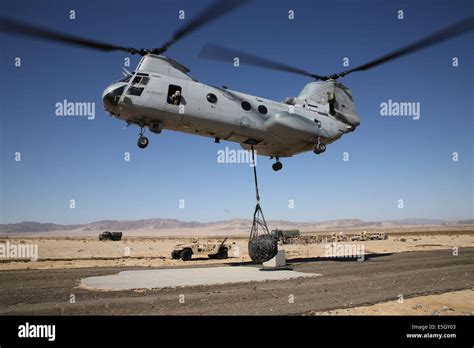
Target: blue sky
{"x": 391, "y": 158}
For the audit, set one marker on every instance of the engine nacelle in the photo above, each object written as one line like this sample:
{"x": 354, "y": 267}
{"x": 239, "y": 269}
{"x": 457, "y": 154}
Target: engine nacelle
{"x": 290, "y": 125}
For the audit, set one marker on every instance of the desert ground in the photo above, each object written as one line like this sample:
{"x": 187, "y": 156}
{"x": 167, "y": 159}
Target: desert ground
{"x": 431, "y": 269}
{"x": 134, "y": 251}
{"x": 450, "y": 303}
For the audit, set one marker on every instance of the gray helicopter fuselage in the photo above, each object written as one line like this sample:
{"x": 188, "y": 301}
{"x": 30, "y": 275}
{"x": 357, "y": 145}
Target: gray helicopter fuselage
{"x": 323, "y": 111}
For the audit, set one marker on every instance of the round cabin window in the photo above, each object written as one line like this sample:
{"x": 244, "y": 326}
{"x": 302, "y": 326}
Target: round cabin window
{"x": 246, "y": 105}
{"x": 262, "y": 109}
{"x": 211, "y": 98}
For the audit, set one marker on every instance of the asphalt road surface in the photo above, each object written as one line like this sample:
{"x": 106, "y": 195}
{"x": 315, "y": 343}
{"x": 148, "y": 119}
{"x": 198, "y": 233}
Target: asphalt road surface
{"x": 342, "y": 284}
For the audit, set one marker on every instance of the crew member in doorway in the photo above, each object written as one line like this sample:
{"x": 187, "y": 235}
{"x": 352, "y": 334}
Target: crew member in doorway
{"x": 176, "y": 98}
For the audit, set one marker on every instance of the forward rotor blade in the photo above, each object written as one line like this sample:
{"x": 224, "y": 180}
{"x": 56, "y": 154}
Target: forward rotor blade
{"x": 457, "y": 29}
{"x": 15, "y": 27}
{"x": 217, "y": 9}
{"x": 215, "y": 52}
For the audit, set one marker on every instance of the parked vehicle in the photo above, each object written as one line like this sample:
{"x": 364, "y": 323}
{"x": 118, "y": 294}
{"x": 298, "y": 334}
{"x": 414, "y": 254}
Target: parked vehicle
{"x": 107, "y": 235}
{"x": 213, "y": 250}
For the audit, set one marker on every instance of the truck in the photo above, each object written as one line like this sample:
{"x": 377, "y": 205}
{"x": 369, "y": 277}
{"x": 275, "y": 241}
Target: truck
{"x": 213, "y": 250}
{"x": 285, "y": 236}
{"x": 378, "y": 236}
{"x": 360, "y": 236}
{"x": 107, "y": 235}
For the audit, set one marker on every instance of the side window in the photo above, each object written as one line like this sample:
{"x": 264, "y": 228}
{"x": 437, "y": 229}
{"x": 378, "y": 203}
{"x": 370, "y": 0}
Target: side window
{"x": 174, "y": 95}
{"x": 246, "y": 105}
{"x": 211, "y": 98}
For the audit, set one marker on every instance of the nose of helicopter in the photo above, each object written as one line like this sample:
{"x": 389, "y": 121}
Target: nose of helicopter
{"x": 111, "y": 96}
{"x": 107, "y": 100}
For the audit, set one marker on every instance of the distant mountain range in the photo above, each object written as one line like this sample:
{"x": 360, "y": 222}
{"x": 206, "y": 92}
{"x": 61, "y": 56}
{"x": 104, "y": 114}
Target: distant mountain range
{"x": 233, "y": 224}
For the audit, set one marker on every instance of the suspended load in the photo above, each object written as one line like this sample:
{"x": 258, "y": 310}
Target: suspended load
{"x": 262, "y": 245}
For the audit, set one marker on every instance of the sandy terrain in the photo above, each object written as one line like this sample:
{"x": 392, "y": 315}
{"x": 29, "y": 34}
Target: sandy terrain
{"x": 450, "y": 303}
{"x": 79, "y": 252}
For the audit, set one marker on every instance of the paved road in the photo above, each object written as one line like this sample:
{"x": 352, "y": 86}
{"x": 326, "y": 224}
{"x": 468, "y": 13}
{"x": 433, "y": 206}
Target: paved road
{"x": 343, "y": 284}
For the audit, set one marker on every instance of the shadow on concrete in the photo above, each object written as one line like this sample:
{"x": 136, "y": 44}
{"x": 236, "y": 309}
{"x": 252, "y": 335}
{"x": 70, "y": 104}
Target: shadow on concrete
{"x": 337, "y": 259}
{"x": 210, "y": 260}
{"x": 299, "y": 260}
{"x": 241, "y": 263}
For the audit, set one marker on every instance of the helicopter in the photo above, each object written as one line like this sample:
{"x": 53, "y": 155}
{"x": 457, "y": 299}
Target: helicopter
{"x": 161, "y": 95}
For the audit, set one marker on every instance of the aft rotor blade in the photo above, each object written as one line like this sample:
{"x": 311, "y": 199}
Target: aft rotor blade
{"x": 450, "y": 32}
{"x": 217, "y": 9}
{"x": 15, "y": 27}
{"x": 219, "y": 53}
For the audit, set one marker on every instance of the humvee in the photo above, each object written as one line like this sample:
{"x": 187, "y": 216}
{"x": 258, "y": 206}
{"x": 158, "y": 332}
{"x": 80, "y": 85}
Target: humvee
{"x": 378, "y": 236}
{"x": 214, "y": 250}
{"x": 107, "y": 235}
{"x": 361, "y": 236}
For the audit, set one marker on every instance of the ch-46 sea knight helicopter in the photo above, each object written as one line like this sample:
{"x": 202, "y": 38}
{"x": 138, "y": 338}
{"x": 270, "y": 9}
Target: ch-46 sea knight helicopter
{"x": 161, "y": 95}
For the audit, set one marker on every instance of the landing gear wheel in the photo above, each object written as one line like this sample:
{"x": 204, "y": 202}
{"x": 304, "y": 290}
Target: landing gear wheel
{"x": 277, "y": 166}
{"x": 319, "y": 148}
{"x": 142, "y": 142}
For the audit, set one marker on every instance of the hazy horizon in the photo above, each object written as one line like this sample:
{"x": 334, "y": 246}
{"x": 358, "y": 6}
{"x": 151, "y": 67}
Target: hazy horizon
{"x": 237, "y": 218}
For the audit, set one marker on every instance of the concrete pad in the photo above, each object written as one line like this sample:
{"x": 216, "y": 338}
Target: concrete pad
{"x": 278, "y": 261}
{"x": 179, "y": 277}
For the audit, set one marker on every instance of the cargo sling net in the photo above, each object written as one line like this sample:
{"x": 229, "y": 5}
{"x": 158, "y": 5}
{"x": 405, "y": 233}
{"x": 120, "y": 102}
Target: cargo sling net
{"x": 262, "y": 245}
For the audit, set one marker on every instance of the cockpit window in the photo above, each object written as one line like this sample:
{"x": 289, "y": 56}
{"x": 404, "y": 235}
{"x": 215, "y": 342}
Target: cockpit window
{"x": 140, "y": 80}
{"x": 135, "y": 90}
{"x": 118, "y": 91}
{"x": 136, "y": 80}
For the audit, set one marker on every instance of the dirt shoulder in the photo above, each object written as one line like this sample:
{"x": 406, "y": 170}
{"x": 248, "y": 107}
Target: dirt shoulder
{"x": 450, "y": 303}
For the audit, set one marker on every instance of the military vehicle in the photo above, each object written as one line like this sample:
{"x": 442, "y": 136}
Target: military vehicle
{"x": 378, "y": 236}
{"x": 107, "y": 235}
{"x": 285, "y": 236}
{"x": 214, "y": 250}
{"x": 360, "y": 236}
